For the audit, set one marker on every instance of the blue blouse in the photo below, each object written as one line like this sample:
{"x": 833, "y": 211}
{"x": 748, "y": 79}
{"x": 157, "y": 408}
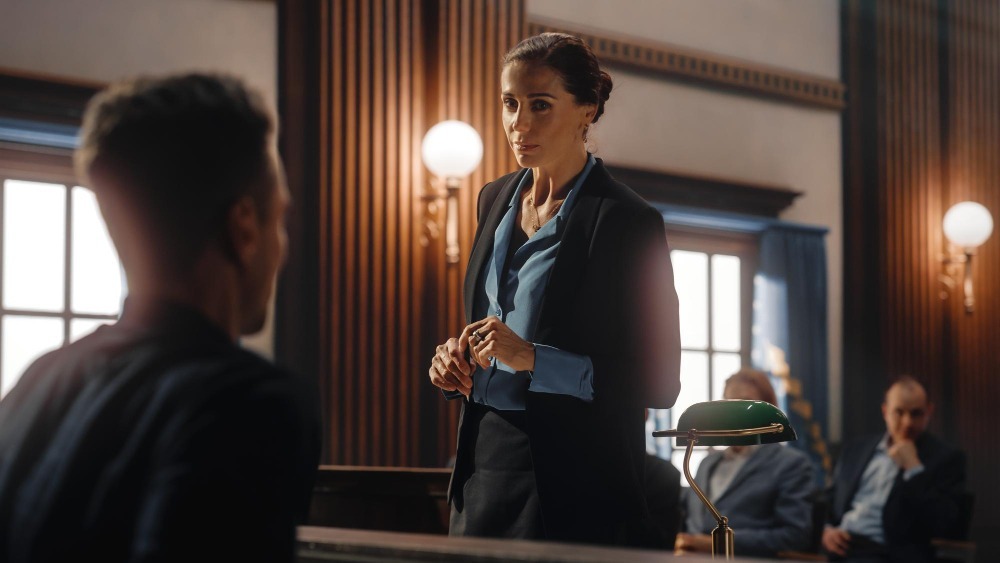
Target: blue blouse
{"x": 515, "y": 296}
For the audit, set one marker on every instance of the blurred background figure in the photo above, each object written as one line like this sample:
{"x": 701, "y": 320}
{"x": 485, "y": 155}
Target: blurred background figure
{"x": 894, "y": 491}
{"x": 765, "y": 490}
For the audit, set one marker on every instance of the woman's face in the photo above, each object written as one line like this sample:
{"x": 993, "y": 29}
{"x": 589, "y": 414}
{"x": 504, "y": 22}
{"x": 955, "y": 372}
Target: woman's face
{"x": 543, "y": 122}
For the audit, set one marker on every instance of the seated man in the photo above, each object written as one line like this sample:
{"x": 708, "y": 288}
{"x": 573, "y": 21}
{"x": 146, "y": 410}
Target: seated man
{"x": 763, "y": 490}
{"x": 159, "y": 438}
{"x": 894, "y": 491}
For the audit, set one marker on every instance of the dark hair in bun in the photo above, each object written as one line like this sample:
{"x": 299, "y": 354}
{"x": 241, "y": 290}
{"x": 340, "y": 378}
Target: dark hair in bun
{"x": 573, "y": 60}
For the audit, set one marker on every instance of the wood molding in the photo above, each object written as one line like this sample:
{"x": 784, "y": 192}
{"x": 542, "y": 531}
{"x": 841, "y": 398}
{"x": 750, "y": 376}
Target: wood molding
{"x": 399, "y": 499}
{"x": 700, "y": 67}
{"x": 318, "y": 544}
{"x": 38, "y": 97}
{"x": 41, "y": 164}
{"x": 705, "y": 192}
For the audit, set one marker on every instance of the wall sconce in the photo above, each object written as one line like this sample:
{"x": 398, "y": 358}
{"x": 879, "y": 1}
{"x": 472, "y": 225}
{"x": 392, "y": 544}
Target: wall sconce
{"x": 967, "y": 225}
{"x": 451, "y": 151}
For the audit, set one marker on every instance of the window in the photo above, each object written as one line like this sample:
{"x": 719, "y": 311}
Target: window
{"x": 59, "y": 274}
{"x": 713, "y": 275}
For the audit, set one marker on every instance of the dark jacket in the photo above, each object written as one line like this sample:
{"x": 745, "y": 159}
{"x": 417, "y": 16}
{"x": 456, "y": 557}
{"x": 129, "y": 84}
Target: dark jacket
{"x": 663, "y": 495}
{"x": 610, "y": 296}
{"x": 768, "y": 501}
{"x": 924, "y": 507}
{"x": 156, "y": 439}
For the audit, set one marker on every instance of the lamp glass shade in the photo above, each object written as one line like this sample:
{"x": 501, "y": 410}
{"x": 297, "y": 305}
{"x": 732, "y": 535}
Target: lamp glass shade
{"x": 734, "y": 414}
{"x": 968, "y": 224}
{"x": 452, "y": 149}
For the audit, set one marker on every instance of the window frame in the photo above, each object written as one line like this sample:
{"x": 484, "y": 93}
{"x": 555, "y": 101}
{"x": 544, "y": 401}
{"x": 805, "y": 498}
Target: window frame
{"x": 746, "y": 247}
{"x": 49, "y": 165}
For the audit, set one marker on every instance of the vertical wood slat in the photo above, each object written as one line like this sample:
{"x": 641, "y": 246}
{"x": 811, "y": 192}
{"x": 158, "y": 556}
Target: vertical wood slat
{"x": 379, "y": 333}
{"x": 392, "y": 401}
{"x": 364, "y": 237}
{"x": 343, "y": 370}
{"x": 329, "y": 245}
{"x": 381, "y": 67}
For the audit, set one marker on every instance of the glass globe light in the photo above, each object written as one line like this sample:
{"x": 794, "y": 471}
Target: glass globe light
{"x": 968, "y": 224}
{"x": 452, "y": 149}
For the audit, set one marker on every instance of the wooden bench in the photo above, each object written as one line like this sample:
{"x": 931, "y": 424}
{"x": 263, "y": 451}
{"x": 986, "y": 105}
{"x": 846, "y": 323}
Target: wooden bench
{"x": 400, "y": 499}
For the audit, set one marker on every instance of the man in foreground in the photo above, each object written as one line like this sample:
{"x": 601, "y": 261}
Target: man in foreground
{"x": 159, "y": 438}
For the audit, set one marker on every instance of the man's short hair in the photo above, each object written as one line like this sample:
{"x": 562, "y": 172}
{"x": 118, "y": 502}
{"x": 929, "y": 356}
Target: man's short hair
{"x": 175, "y": 153}
{"x": 906, "y": 381}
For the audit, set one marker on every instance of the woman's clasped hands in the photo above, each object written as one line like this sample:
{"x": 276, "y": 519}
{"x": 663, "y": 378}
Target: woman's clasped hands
{"x": 480, "y": 342}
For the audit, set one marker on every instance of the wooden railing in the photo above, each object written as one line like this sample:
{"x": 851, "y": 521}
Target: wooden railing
{"x": 400, "y": 499}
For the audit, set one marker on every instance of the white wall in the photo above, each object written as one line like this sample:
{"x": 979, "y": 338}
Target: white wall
{"x": 658, "y": 124}
{"x": 104, "y": 40}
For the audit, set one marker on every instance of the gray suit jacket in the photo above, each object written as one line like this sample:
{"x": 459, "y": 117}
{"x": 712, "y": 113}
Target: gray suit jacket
{"x": 767, "y": 502}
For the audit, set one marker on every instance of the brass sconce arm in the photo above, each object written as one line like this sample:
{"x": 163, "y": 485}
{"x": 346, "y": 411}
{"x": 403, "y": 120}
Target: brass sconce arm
{"x": 967, "y": 290}
{"x": 450, "y": 196}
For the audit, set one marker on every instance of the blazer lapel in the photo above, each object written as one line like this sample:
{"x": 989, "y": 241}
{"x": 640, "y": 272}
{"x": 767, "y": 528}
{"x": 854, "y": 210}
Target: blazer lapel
{"x": 571, "y": 260}
{"x": 483, "y": 247}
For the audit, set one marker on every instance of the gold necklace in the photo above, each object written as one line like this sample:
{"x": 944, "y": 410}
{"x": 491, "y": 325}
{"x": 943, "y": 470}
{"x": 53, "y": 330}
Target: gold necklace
{"x": 531, "y": 203}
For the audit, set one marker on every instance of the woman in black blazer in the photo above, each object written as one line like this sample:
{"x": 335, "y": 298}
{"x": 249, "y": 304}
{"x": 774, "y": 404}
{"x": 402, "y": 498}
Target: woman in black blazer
{"x": 572, "y": 323}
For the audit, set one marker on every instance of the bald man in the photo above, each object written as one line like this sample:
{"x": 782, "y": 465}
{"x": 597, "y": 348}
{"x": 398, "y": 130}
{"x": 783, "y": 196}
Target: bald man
{"x": 893, "y": 492}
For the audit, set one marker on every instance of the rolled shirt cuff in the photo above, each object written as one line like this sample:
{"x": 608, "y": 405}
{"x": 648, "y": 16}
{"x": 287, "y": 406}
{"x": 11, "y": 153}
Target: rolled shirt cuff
{"x": 561, "y": 372}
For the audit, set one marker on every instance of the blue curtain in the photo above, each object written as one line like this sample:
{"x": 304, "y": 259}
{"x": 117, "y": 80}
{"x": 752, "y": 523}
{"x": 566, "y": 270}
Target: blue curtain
{"x": 790, "y": 331}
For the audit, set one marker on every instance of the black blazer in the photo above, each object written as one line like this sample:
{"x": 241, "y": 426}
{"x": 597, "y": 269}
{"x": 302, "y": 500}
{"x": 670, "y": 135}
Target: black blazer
{"x": 927, "y": 506}
{"x": 610, "y": 296}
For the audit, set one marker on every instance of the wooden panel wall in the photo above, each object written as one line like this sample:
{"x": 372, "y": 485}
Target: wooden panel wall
{"x": 384, "y": 72}
{"x": 921, "y": 133}
{"x": 973, "y": 156}
{"x": 474, "y": 35}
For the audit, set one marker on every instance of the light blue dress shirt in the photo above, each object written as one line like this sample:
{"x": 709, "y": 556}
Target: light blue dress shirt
{"x": 515, "y": 296}
{"x": 865, "y": 516}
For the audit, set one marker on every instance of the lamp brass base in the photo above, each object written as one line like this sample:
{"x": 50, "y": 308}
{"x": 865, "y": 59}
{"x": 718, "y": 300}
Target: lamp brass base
{"x": 723, "y": 539}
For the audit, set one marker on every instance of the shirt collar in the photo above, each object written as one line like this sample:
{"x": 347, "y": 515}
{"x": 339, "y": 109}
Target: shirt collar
{"x": 883, "y": 444}
{"x": 744, "y": 452}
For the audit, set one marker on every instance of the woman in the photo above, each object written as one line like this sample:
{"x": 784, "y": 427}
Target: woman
{"x": 573, "y": 325}
{"x": 765, "y": 491}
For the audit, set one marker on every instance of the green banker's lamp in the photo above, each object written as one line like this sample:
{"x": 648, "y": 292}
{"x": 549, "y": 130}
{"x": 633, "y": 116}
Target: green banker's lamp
{"x": 726, "y": 423}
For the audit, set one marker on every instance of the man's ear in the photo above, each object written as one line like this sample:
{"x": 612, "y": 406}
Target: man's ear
{"x": 243, "y": 231}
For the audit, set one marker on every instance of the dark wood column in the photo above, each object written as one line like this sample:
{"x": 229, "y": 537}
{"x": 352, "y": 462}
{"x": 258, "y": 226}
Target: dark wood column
{"x": 367, "y": 292}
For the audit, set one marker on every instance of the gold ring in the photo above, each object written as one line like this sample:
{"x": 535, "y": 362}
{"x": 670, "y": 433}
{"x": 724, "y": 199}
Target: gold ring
{"x": 478, "y": 336}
